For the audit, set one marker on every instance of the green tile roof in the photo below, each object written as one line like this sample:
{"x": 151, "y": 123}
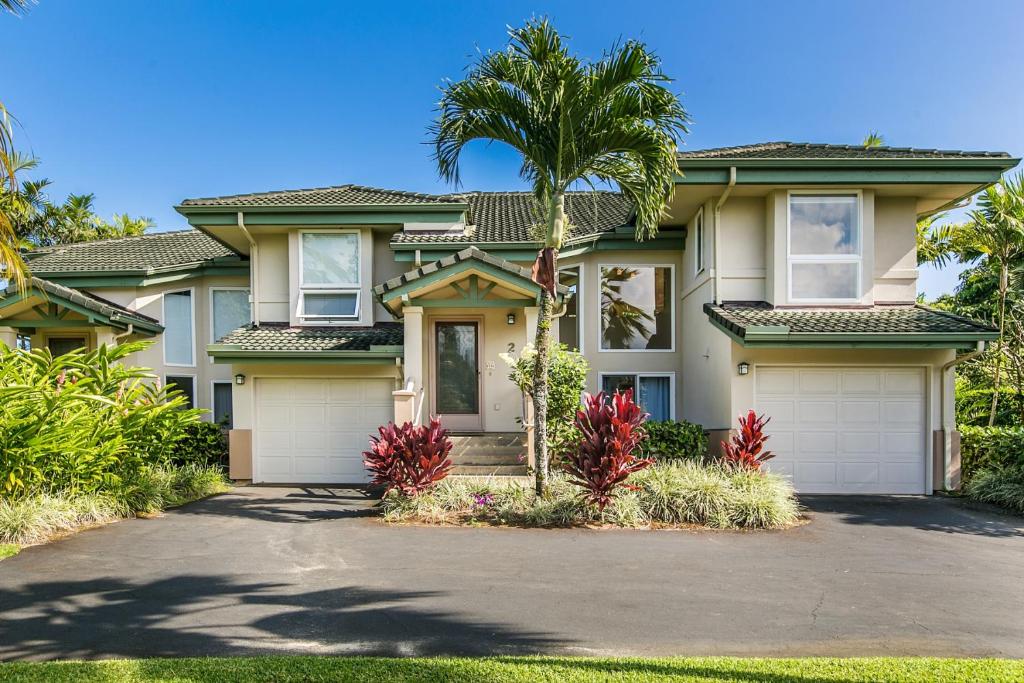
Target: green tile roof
{"x": 503, "y": 217}
{"x": 338, "y": 195}
{"x": 108, "y": 311}
{"x": 283, "y": 337}
{"x": 760, "y": 323}
{"x": 809, "y": 150}
{"x": 144, "y": 254}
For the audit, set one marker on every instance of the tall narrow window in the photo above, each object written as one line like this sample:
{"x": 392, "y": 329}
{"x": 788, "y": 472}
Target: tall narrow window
{"x": 636, "y": 308}
{"x": 329, "y": 277}
{"x": 231, "y": 310}
{"x": 222, "y": 409}
{"x": 698, "y": 242}
{"x": 186, "y": 384}
{"x": 569, "y": 328}
{"x": 824, "y": 248}
{"x": 179, "y": 342}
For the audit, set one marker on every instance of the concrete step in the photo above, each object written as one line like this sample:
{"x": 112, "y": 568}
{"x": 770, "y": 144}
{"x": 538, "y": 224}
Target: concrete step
{"x": 490, "y": 470}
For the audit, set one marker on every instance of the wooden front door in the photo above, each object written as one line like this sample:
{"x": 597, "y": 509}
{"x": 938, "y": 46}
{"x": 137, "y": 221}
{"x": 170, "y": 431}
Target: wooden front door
{"x": 456, "y": 361}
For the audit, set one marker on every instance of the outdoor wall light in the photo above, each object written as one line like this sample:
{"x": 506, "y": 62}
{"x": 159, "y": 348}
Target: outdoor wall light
{"x": 743, "y": 368}
{"x": 239, "y": 378}
{"x": 511, "y": 318}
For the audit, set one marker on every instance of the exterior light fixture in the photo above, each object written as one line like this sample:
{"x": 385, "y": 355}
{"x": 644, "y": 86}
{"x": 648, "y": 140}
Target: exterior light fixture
{"x": 239, "y": 378}
{"x": 743, "y": 368}
{"x": 511, "y": 318}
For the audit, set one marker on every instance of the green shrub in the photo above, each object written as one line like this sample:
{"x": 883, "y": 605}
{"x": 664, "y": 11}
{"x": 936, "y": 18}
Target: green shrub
{"x": 567, "y": 378}
{"x": 203, "y": 443}
{"x": 82, "y": 422}
{"x": 1000, "y": 486}
{"x": 671, "y": 440}
{"x": 668, "y": 493}
{"x": 990, "y": 448}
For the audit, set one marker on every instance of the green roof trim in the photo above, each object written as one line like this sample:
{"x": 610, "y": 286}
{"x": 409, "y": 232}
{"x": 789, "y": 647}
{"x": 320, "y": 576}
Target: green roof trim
{"x": 96, "y": 310}
{"x": 758, "y": 324}
{"x": 804, "y": 152}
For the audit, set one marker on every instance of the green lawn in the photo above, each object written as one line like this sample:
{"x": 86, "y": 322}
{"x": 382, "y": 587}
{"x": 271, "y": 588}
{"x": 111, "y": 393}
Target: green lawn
{"x": 511, "y": 669}
{"x": 8, "y": 549}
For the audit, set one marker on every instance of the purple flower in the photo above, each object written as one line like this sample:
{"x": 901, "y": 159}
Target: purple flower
{"x": 482, "y": 500}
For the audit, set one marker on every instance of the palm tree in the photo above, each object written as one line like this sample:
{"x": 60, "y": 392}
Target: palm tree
{"x": 12, "y": 265}
{"x": 873, "y": 139}
{"x": 621, "y": 320}
{"x": 995, "y": 231}
{"x": 573, "y": 123}
{"x": 934, "y": 242}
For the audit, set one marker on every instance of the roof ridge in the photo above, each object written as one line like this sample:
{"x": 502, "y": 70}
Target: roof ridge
{"x": 302, "y": 190}
{"x": 785, "y": 144}
{"x": 125, "y": 238}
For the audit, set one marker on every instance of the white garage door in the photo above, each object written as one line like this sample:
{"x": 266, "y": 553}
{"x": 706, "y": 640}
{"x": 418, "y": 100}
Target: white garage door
{"x": 313, "y": 431}
{"x": 846, "y": 430}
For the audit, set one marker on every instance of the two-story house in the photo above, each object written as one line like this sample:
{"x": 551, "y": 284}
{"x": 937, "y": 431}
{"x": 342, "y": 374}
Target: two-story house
{"x": 783, "y": 279}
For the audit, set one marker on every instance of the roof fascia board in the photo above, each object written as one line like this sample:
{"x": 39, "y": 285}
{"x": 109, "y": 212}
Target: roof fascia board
{"x": 719, "y": 175}
{"x": 1002, "y": 163}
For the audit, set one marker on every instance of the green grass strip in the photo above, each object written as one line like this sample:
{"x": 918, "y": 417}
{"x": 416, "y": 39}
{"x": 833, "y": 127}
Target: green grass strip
{"x": 8, "y": 549}
{"x": 514, "y": 669}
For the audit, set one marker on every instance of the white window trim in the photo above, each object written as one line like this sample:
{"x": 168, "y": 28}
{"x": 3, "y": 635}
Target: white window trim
{"x": 333, "y": 288}
{"x": 195, "y": 394}
{"x": 699, "y": 266}
{"x": 857, "y": 258}
{"x": 672, "y": 300}
{"x": 163, "y": 321}
{"x": 671, "y": 385}
{"x": 213, "y": 397}
{"x": 580, "y": 326}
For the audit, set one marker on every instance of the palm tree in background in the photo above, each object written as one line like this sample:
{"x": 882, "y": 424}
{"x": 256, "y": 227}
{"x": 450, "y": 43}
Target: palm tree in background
{"x": 873, "y": 139}
{"x": 622, "y": 321}
{"x": 612, "y": 121}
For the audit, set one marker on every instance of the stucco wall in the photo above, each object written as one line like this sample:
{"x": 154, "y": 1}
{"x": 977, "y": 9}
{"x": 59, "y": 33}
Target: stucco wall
{"x": 895, "y": 272}
{"x": 273, "y": 276}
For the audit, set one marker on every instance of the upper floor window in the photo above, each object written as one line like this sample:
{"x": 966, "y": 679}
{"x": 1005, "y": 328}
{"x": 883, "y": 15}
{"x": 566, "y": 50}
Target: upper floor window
{"x": 569, "y": 329}
{"x": 329, "y": 275}
{"x": 179, "y": 325}
{"x": 229, "y": 310}
{"x": 636, "y": 308}
{"x": 698, "y": 242}
{"x": 824, "y": 247}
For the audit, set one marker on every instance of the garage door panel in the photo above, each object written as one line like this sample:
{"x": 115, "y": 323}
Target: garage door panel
{"x": 314, "y": 430}
{"x": 846, "y": 430}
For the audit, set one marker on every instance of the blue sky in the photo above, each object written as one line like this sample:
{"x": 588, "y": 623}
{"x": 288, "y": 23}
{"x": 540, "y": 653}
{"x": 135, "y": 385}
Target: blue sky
{"x": 146, "y": 103}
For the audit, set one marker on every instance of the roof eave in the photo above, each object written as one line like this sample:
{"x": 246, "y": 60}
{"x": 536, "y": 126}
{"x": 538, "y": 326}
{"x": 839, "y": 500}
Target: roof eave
{"x": 1004, "y": 163}
{"x": 186, "y": 209}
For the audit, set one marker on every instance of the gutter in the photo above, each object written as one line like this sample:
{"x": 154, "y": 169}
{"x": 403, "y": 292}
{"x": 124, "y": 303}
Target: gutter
{"x": 254, "y": 263}
{"x": 718, "y": 219}
{"x": 948, "y": 420}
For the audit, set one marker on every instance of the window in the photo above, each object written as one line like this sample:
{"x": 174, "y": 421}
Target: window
{"x": 24, "y": 342}
{"x": 186, "y": 384}
{"x": 636, "y": 308}
{"x": 60, "y": 345}
{"x": 824, "y": 247}
{"x": 569, "y": 327}
{"x": 698, "y": 242}
{"x": 230, "y": 310}
{"x": 329, "y": 275}
{"x": 222, "y": 404}
{"x": 652, "y": 392}
{"x": 179, "y": 322}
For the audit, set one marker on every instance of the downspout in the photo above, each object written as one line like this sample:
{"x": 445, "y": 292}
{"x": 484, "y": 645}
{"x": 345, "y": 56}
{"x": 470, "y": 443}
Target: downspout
{"x": 254, "y": 262}
{"x": 948, "y": 420}
{"x": 718, "y": 220}
{"x": 126, "y": 333}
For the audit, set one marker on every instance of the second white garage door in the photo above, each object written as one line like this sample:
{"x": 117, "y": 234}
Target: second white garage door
{"x": 846, "y": 430}
{"x": 313, "y": 431}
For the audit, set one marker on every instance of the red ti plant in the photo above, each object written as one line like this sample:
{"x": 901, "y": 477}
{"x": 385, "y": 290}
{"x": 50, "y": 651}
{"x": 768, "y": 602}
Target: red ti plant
{"x": 746, "y": 447}
{"x": 604, "y": 459}
{"x": 408, "y": 458}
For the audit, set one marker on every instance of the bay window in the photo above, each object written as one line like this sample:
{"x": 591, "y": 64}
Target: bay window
{"x": 636, "y": 308}
{"x": 824, "y": 256}
{"x": 329, "y": 279}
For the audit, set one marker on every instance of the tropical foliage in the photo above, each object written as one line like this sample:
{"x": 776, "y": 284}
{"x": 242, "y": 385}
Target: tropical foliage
{"x": 671, "y": 440}
{"x": 573, "y": 123}
{"x": 611, "y": 429}
{"x": 409, "y": 459}
{"x": 999, "y": 486}
{"x": 746, "y": 447}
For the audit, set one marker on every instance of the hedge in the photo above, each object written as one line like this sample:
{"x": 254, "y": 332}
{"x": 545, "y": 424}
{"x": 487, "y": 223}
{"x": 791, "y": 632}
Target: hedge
{"x": 990, "y": 448}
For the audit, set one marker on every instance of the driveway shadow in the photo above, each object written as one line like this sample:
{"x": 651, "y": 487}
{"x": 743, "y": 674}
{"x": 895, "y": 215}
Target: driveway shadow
{"x": 928, "y": 513}
{"x": 178, "y": 617}
{"x": 288, "y": 506}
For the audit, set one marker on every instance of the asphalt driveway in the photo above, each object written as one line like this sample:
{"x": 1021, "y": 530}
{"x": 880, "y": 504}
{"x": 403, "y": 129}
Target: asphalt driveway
{"x": 308, "y": 571}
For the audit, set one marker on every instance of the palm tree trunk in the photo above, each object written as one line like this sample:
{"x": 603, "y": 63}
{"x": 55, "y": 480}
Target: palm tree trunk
{"x": 1004, "y": 277}
{"x": 542, "y": 341}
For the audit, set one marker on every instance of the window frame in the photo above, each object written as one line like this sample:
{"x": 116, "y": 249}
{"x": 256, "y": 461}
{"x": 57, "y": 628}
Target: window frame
{"x": 650, "y": 373}
{"x": 163, "y": 321}
{"x": 213, "y": 400}
{"x": 226, "y": 288}
{"x": 671, "y": 298}
{"x": 580, "y": 318}
{"x": 699, "y": 265}
{"x": 333, "y": 288}
{"x": 855, "y": 258}
{"x": 195, "y": 387}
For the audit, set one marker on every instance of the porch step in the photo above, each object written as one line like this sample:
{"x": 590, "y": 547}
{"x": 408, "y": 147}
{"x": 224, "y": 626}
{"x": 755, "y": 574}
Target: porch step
{"x": 489, "y": 470}
{"x": 489, "y": 454}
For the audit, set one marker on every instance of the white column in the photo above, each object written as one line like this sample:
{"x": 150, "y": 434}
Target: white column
{"x": 9, "y": 336}
{"x": 414, "y": 368}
